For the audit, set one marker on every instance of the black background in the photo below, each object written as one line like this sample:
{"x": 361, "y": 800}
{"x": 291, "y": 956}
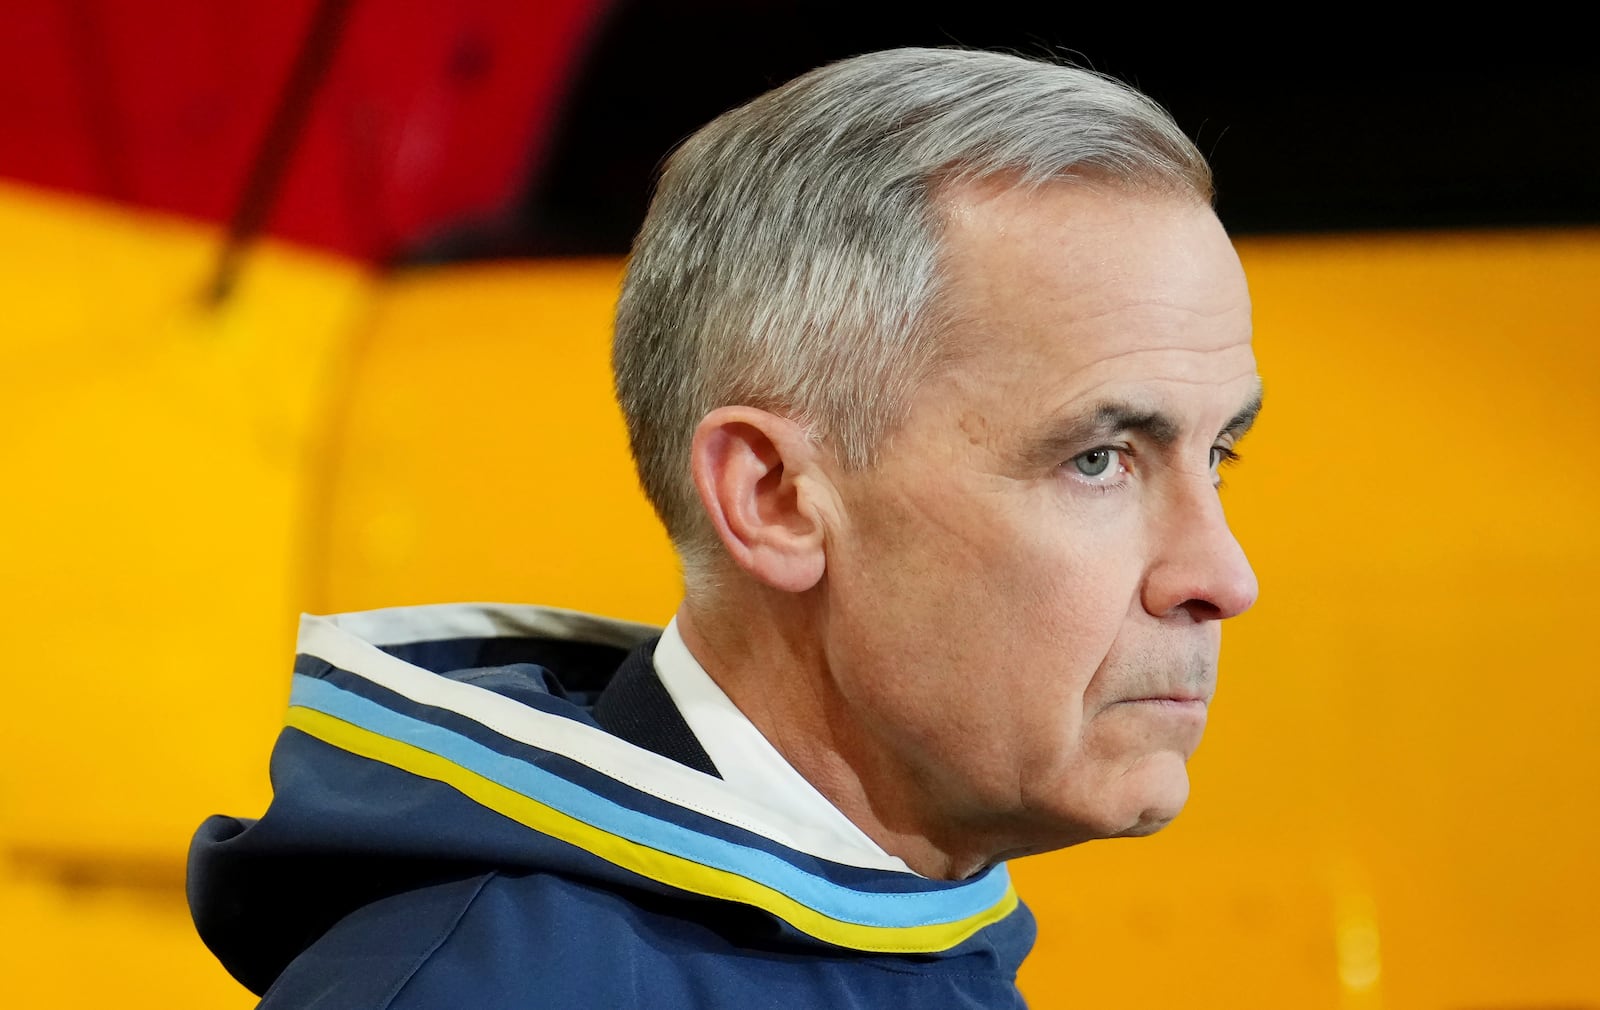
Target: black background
{"x": 1309, "y": 126}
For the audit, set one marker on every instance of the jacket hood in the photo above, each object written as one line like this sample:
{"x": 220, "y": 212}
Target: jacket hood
{"x": 434, "y": 743}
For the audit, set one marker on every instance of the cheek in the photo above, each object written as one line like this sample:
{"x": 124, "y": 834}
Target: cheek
{"x": 1076, "y": 580}
{"x": 929, "y": 612}
{"x": 1014, "y": 563}
{"x": 1008, "y": 594}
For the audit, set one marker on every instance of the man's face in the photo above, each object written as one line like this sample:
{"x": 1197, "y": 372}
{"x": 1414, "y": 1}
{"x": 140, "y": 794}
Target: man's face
{"x": 1024, "y": 599}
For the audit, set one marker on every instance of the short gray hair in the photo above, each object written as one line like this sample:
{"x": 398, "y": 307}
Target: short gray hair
{"x": 790, "y": 258}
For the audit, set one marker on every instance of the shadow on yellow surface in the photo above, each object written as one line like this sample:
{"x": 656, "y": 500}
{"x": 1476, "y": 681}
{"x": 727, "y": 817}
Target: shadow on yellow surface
{"x": 1395, "y": 804}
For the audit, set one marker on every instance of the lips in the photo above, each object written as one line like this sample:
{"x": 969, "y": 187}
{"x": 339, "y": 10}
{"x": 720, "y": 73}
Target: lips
{"x": 1190, "y": 704}
{"x": 1189, "y": 682}
{"x": 1177, "y": 697}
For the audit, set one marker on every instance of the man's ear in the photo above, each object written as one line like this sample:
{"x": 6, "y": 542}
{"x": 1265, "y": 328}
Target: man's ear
{"x": 757, "y": 475}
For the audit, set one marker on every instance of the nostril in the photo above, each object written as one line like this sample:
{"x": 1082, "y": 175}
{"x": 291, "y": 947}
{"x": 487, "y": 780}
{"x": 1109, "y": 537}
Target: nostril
{"x": 1202, "y": 610}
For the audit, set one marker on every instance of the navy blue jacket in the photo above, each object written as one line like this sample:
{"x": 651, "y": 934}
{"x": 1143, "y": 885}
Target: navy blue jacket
{"x": 487, "y": 807}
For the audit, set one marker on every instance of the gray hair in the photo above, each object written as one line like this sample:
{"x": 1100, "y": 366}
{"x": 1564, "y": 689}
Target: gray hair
{"x": 790, "y": 258}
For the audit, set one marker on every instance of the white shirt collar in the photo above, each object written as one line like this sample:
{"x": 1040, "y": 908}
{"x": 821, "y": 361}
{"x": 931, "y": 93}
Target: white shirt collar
{"x": 747, "y": 760}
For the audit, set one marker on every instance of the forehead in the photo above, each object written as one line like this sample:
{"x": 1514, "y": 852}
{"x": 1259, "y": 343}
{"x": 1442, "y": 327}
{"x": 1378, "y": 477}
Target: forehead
{"x": 1071, "y": 289}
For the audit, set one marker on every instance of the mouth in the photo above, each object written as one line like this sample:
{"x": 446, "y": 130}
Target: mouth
{"x": 1178, "y": 704}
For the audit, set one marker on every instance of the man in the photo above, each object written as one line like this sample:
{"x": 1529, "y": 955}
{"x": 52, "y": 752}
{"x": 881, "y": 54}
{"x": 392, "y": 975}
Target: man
{"x": 929, "y": 360}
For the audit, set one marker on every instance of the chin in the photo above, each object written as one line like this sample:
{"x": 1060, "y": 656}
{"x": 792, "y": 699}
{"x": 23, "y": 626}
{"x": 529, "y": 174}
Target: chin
{"x": 1126, "y": 800}
{"x": 1155, "y": 799}
{"x": 1149, "y": 824}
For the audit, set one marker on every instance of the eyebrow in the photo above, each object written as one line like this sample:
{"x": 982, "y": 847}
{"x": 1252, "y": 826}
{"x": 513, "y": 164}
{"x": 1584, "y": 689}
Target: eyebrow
{"x": 1240, "y": 424}
{"x": 1113, "y": 417}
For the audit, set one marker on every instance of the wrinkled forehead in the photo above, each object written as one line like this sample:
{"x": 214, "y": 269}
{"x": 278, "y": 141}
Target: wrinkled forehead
{"x": 1074, "y": 285}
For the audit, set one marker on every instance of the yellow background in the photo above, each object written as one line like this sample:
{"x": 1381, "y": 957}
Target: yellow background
{"x": 1396, "y": 804}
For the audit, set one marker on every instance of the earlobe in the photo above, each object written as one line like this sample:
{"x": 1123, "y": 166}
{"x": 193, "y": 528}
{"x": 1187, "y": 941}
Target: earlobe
{"x": 755, "y": 472}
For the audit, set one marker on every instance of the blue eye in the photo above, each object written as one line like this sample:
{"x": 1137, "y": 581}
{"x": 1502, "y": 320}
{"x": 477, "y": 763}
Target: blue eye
{"x": 1098, "y": 463}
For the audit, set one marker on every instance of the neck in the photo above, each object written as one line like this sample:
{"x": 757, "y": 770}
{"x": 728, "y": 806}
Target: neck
{"x": 766, "y": 654}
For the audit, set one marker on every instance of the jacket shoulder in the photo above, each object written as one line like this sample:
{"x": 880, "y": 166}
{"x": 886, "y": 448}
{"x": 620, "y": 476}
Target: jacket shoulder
{"x": 538, "y": 940}
{"x": 366, "y": 960}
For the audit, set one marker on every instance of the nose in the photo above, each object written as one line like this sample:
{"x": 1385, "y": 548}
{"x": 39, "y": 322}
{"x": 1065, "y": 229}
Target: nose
{"x": 1197, "y": 567}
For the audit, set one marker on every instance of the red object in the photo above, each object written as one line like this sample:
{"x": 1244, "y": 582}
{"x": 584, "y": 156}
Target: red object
{"x": 427, "y": 114}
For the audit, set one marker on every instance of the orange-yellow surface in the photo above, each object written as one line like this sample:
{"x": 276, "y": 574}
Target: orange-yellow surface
{"x": 1398, "y": 802}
